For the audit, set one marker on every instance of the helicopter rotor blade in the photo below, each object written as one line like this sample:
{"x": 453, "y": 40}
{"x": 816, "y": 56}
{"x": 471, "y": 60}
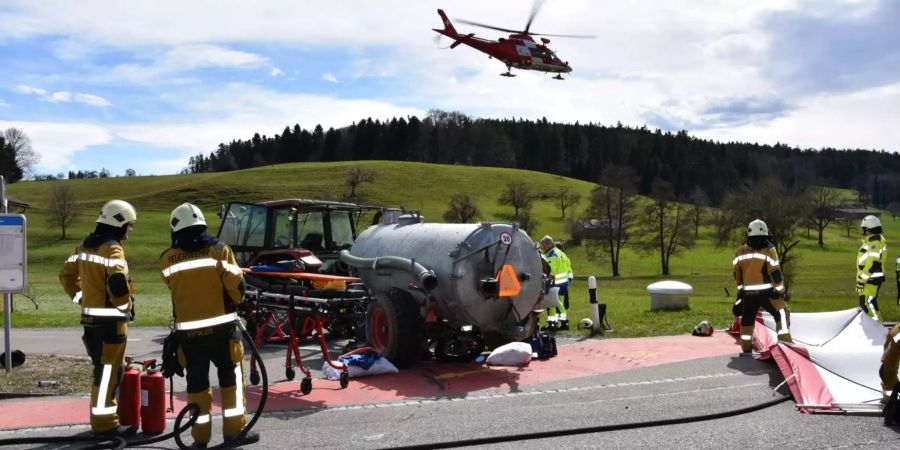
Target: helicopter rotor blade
{"x": 534, "y": 10}
{"x": 578, "y": 36}
{"x": 468, "y": 22}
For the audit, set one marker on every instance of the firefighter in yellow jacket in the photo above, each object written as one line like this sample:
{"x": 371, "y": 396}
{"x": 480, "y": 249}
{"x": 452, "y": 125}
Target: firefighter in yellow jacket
{"x": 96, "y": 277}
{"x": 757, "y": 273}
{"x": 207, "y": 285}
{"x": 870, "y": 262}
{"x": 890, "y": 362}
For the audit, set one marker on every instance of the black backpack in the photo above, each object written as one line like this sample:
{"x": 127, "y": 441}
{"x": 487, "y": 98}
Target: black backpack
{"x": 543, "y": 345}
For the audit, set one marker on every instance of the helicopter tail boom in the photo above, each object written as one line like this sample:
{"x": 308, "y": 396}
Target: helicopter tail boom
{"x": 448, "y": 27}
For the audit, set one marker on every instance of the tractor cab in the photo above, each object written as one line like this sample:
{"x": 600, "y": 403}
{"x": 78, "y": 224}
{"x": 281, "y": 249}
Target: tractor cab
{"x": 305, "y": 235}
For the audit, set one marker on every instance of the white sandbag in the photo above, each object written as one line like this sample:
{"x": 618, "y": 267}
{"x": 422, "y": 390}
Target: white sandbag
{"x": 512, "y": 354}
{"x": 381, "y": 365}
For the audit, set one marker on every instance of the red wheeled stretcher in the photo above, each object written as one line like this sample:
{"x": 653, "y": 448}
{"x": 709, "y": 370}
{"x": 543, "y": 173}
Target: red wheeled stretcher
{"x": 289, "y": 302}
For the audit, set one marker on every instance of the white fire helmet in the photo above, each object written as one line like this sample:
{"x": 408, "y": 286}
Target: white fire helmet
{"x": 757, "y": 228}
{"x": 703, "y": 329}
{"x": 870, "y": 222}
{"x": 586, "y": 324}
{"x": 186, "y": 215}
{"x": 117, "y": 213}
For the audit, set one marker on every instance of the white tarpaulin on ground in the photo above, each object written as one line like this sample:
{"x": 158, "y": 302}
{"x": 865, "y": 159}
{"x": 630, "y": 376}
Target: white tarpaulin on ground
{"x": 832, "y": 366}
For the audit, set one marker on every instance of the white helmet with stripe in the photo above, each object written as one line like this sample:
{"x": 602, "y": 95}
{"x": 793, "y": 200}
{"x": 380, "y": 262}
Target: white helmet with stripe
{"x": 757, "y": 228}
{"x": 117, "y": 213}
{"x": 870, "y": 222}
{"x": 186, "y": 215}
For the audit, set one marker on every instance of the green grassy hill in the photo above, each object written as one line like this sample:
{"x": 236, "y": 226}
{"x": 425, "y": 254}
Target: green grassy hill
{"x": 824, "y": 280}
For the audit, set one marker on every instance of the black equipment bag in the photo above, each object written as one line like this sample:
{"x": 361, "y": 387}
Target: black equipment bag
{"x": 543, "y": 345}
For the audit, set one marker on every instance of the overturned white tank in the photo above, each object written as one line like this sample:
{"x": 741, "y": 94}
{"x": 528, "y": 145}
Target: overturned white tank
{"x": 485, "y": 275}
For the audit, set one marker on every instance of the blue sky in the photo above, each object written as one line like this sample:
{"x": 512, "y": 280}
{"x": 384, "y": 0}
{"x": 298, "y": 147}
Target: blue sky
{"x": 146, "y": 84}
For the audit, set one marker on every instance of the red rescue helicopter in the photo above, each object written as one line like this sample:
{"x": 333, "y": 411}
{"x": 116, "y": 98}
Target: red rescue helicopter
{"x": 519, "y": 50}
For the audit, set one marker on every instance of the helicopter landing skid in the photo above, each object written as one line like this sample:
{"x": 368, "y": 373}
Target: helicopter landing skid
{"x": 507, "y": 74}
{"x": 558, "y": 77}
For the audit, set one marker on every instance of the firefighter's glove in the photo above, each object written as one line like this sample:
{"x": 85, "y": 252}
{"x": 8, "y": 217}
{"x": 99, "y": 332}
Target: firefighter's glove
{"x": 859, "y": 288}
{"x": 170, "y": 364}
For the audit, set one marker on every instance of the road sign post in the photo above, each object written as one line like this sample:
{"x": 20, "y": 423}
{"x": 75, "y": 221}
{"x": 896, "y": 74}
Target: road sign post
{"x": 13, "y": 264}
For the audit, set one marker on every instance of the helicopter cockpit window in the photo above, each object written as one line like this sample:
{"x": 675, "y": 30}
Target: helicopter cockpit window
{"x": 311, "y": 231}
{"x": 284, "y": 228}
{"x": 539, "y": 53}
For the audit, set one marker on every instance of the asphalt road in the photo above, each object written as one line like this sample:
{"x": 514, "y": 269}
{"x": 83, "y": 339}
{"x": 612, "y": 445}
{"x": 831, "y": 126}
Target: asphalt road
{"x": 669, "y": 391}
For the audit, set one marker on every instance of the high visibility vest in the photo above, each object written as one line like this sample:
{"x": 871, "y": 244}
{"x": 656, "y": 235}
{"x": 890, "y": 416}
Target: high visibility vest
{"x": 84, "y": 276}
{"x": 560, "y": 265}
{"x": 871, "y": 259}
{"x": 757, "y": 269}
{"x": 206, "y": 285}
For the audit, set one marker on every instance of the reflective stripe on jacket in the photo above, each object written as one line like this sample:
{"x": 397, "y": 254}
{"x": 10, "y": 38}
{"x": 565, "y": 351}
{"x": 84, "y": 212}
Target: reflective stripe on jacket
{"x": 757, "y": 270}
{"x": 560, "y": 265}
{"x": 84, "y": 277}
{"x": 205, "y": 285}
{"x": 871, "y": 259}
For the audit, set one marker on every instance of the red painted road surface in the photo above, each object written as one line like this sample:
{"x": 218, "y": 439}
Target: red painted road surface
{"x": 591, "y": 357}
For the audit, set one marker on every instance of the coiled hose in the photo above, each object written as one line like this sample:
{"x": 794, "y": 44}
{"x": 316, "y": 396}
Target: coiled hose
{"x": 119, "y": 443}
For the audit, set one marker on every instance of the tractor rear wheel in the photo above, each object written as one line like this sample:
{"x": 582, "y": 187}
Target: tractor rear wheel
{"x": 394, "y": 327}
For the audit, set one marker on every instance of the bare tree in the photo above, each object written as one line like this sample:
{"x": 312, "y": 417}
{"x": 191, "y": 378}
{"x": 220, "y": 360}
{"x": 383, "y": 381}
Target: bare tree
{"x": 612, "y": 203}
{"x": 699, "y": 201}
{"x": 518, "y": 195}
{"x": 565, "y": 199}
{"x": 823, "y": 208}
{"x": 462, "y": 209}
{"x": 63, "y": 211}
{"x": 357, "y": 176}
{"x": 894, "y": 209}
{"x": 784, "y": 211}
{"x": 666, "y": 230}
{"x": 526, "y": 220}
{"x": 20, "y": 143}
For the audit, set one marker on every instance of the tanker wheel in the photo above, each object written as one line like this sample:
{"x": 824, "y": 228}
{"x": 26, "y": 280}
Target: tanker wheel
{"x": 345, "y": 380}
{"x": 306, "y": 385}
{"x": 289, "y": 373}
{"x": 394, "y": 327}
{"x": 254, "y": 378}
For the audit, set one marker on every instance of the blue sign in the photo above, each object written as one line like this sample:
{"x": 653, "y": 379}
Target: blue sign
{"x": 12, "y": 221}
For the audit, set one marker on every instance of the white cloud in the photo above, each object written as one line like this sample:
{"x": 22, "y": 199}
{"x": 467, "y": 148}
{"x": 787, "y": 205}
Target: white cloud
{"x": 91, "y": 99}
{"x": 63, "y": 96}
{"x": 57, "y": 142}
{"x": 697, "y": 63}
{"x": 22, "y": 89}
{"x": 240, "y": 110}
{"x": 185, "y": 58}
{"x": 857, "y": 120}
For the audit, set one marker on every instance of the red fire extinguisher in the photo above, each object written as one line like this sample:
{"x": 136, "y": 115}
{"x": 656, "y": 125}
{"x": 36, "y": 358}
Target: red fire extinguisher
{"x": 153, "y": 399}
{"x": 129, "y": 407}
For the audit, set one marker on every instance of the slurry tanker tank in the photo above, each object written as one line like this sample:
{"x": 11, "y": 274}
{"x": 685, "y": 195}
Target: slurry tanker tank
{"x": 439, "y": 282}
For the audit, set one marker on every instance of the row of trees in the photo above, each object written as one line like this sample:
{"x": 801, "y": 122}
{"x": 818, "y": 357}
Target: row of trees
{"x": 665, "y": 224}
{"x": 576, "y": 150}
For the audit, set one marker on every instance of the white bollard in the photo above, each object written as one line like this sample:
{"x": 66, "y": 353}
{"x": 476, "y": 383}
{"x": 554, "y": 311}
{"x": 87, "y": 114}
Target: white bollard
{"x": 595, "y": 311}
